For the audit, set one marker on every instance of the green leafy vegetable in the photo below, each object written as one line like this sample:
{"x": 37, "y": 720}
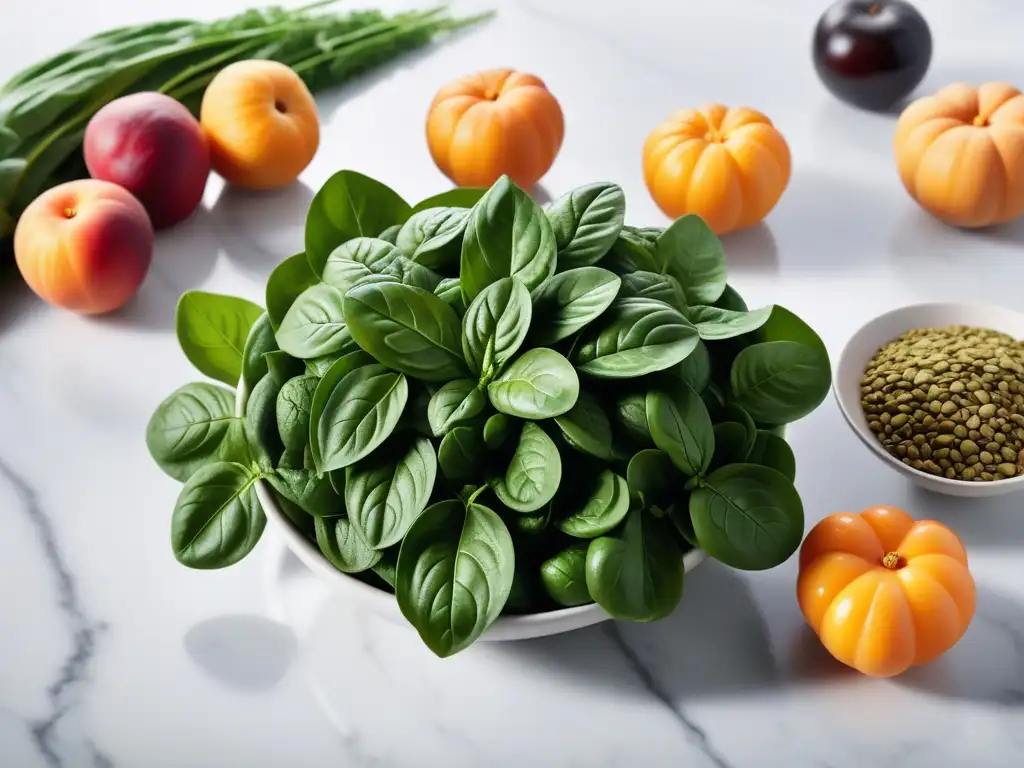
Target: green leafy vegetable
{"x": 586, "y": 222}
{"x": 217, "y": 519}
{"x": 539, "y": 384}
{"x": 485, "y": 407}
{"x": 507, "y": 235}
{"x": 533, "y": 473}
{"x": 212, "y": 330}
{"x": 454, "y": 574}
{"x": 407, "y": 329}
{"x": 636, "y": 572}
{"x": 747, "y": 516}
{"x": 564, "y": 576}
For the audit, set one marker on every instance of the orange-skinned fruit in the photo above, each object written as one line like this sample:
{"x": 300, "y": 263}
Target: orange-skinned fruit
{"x": 261, "y": 122}
{"x": 730, "y": 166}
{"x": 960, "y": 153}
{"x": 494, "y": 123}
{"x": 883, "y": 592}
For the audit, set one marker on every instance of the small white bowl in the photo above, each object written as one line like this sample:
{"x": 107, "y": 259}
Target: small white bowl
{"x": 384, "y": 604}
{"x": 866, "y": 342}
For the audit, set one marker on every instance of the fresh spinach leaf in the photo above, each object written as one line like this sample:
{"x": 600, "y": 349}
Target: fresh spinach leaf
{"x": 731, "y": 300}
{"x": 652, "y": 477}
{"x": 586, "y": 427}
{"x": 194, "y": 426}
{"x": 454, "y": 574}
{"x": 529, "y": 523}
{"x": 783, "y": 325}
{"x": 633, "y": 338}
{"x": 634, "y": 250}
{"x": 714, "y": 324}
{"x": 533, "y": 473}
{"x": 539, "y": 384}
{"x": 601, "y": 511}
{"x": 779, "y": 382}
{"x": 460, "y": 197}
{"x": 390, "y": 235}
{"x": 293, "y": 407}
{"x": 653, "y": 285}
{"x": 460, "y": 453}
{"x": 680, "y": 426}
{"x": 693, "y": 254}
{"x": 733, "y": 412}
{"x": 564, "y": 576}
{"x": 368, "y": 259}
{"x": 385, "y": 492}
{"x": 349, "y": 205}
{"x": 386, "y": 567}
{"x": 771, "y": 450}
{"x": 342, "y": 545}
{"x": 449, "y": 290}
{"x": 318, "y": 366}
{"x": 495, "y": 326}
{"x": 407, "y": 329}
{"x": 586, "y": 222}
{"x": 496, "y": 430}
{"x": 730, "y": 444}
{"x": 311, "y": 492}
{"x": 286, "y": 283}
{"x": 568, "y": 301}
{"x": 636, "y": 571}
{"x": 261, "y": 423}
{"x": 507, "y": 235}
{"x": 217, "y": 519}
{"x": 747, "y": 516}
{"x": 283, "y": 366}
{"x": 315, "y": 324}
{"x": 631, "y": 415}
{"x": 695, "y": 370}
{"x": 259, "y": 341}
{"x": 360, "y": 414}
{"x": 680, "y": 517}
{"x": 433, "y": 237}
{"x": 212, "y": 329}
{"x": 453, "y": 405}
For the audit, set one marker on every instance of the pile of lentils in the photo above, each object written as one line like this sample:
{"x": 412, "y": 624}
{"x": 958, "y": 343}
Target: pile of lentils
{"x": 949, "y": 402}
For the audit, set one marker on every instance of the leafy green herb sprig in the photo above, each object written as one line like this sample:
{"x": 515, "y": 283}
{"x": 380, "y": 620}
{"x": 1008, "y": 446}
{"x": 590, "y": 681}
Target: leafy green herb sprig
{"x": 489, "y": 407}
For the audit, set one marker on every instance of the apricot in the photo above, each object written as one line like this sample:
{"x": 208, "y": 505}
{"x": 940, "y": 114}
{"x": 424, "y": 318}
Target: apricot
{"x": 152, "y": 146}
{"x": 84, "y": 245}
{"x": 261, "y": 122}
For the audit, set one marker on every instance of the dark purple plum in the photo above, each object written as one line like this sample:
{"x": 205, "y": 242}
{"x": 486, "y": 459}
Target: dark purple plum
{"x": 872, "y": 54}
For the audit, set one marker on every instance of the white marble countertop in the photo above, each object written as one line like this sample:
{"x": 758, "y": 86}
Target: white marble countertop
{"x": 112, "y": 654}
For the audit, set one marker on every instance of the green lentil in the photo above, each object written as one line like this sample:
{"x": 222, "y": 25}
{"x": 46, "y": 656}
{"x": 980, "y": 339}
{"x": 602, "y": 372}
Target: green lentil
{"x": 949, "y": 401}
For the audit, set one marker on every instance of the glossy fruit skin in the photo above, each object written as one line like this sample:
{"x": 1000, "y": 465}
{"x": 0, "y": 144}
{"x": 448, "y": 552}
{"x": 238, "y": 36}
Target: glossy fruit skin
{"x": 261, "y": 122}
{"x": 882, "y": 592}
{"x": 872, "y": 54}
{"x": 960, "y": 153}
{"x": 152, "y": 146}
{"x": 85, "y": 246}
{"x": 493, "y": 123}
{"x": 728, "y": 165}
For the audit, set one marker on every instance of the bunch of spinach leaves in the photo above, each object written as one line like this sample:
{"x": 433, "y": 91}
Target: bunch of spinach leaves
{"x": 488, "y": 407}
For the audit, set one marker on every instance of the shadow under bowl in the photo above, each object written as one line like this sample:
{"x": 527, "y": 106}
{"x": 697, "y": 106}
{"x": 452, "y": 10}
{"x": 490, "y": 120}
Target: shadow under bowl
{"x": 865, "y": 343}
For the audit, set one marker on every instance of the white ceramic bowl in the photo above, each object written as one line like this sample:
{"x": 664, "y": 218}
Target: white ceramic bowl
{"x": 384, "y": 604}
{"x": 863, "y": 345}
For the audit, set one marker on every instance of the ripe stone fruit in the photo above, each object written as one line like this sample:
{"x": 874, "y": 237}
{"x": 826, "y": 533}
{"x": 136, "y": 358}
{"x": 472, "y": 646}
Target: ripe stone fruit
{"x": 84, "y": 245}
{"x": 262, "y": 124}
{"x": 494, "y": 123}
{"x": 872, "y": 53}
{"x": 152, "y": 146}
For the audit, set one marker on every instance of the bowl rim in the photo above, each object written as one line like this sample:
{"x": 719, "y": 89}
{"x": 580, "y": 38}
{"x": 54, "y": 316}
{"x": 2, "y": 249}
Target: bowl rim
{"x": 314, "y": 559}
{"x": 859, "y": 426}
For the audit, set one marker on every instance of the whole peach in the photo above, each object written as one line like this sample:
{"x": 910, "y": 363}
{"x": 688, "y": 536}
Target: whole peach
{"x": 84, "y": 245}
{"x": 152, "y": 146}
